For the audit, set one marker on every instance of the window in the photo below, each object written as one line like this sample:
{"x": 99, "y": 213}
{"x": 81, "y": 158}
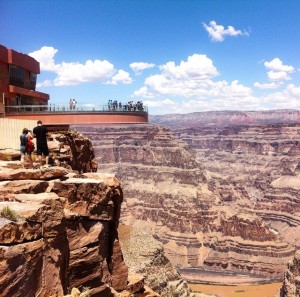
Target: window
{"x": 16, "y": 76}
{"x": 32, "y": 80}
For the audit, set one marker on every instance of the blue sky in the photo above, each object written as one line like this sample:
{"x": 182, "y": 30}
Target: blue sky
{"x": 177, "y": 56}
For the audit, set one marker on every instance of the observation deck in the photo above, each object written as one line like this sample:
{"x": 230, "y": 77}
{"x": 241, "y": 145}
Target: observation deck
{"x": 58, "y": 114}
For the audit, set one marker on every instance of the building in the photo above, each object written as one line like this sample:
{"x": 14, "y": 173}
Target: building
{"x": 18, "y": 76}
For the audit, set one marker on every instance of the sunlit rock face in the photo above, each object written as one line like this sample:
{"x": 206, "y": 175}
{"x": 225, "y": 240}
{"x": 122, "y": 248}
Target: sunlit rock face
{"x": 61, "y": 237}
{"x": 203, "y": 217}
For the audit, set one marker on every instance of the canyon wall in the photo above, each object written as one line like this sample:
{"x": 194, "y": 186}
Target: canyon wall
{"x": 205, "y": 221}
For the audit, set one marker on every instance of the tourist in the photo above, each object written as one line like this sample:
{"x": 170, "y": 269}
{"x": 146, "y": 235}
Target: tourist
{"x": 23, "y": 148}
{"x": 74, "y": 104}
{"x": 40, "y": 132}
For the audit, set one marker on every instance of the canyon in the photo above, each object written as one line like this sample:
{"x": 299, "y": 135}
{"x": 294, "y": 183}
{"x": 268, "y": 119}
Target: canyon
{"x": 219, "y": 194}
{"x": 124, "y": 208}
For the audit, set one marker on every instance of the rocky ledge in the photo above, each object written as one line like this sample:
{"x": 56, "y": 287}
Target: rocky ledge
{"x": 59, "y": 231}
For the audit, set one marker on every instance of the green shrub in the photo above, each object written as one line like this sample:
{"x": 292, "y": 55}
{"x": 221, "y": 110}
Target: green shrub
{"x": 9, "y": 214}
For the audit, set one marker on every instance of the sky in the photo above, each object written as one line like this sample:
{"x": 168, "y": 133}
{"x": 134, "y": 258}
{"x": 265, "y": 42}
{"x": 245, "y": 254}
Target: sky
{"x": 177, "y": 56}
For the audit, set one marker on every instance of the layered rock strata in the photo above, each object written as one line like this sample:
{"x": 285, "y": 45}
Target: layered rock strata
{"x": 63, "y": 233}
{"x": 203, "y": 220}
{"x": 266, "y": 159}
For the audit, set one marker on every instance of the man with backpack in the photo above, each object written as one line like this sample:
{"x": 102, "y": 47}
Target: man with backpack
{"x": 40, "y": 132}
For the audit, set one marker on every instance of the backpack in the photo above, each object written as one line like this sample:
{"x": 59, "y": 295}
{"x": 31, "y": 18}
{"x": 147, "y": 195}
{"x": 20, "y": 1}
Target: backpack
{"x": 29, "y": 146}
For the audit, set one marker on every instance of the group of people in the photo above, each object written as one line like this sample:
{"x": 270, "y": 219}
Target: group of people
{"x": 129, "y": 106}
{"x": 39, "y": 132}
{"x": 72, "y": 104}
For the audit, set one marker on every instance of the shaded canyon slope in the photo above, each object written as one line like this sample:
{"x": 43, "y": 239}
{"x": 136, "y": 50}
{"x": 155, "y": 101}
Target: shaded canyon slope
{"x": 203, "y": 219}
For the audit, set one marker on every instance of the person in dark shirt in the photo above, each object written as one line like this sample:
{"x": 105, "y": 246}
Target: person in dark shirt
{"x": 24, "y": 138}
{"x": 40, "y": 132}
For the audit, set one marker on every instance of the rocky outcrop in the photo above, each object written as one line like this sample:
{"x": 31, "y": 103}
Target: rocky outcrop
{"x": 69, "y": 149}
{"x": 291, "y": 284}
{"x": 62, "y": 237}
{"x": 204, "y": 220}
{"x": 145, "y": 256}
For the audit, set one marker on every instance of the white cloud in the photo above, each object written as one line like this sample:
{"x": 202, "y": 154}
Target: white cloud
{"x": 143, "y": 92}
{"x": 218, "y": 32}
{"x": 138, "y": 67}
{"x": 277, "y": 66}
{"x": 271, "y": 85}
{"x": 288, "y": 98}
{"x": 188, "y": 78}
{"x": 232, "y": 90}
{"x": 191, "y": 78}
{"x": 160, "y": 103}
{"x": 192, "y": 82}
{"x": 278, "y": 75}
{"x": 121, "y": 77}
{"x": 196, "y": 67}
{"x": 45, "y": 83}
{"x": 278, "y": 71}
{"x": 45, "y": 56}
{"x": 74, "y": 73}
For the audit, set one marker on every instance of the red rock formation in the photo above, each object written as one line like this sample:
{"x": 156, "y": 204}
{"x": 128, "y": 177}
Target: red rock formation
{"x": 64, "y": 237}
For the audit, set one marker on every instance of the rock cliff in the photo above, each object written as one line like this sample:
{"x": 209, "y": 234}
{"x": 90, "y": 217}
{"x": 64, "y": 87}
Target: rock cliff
{"x": 204, "y": 220}
{"x": 59, "y": 230}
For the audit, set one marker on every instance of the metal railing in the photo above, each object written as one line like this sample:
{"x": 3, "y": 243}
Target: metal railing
{"x": 80, "y": 108}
